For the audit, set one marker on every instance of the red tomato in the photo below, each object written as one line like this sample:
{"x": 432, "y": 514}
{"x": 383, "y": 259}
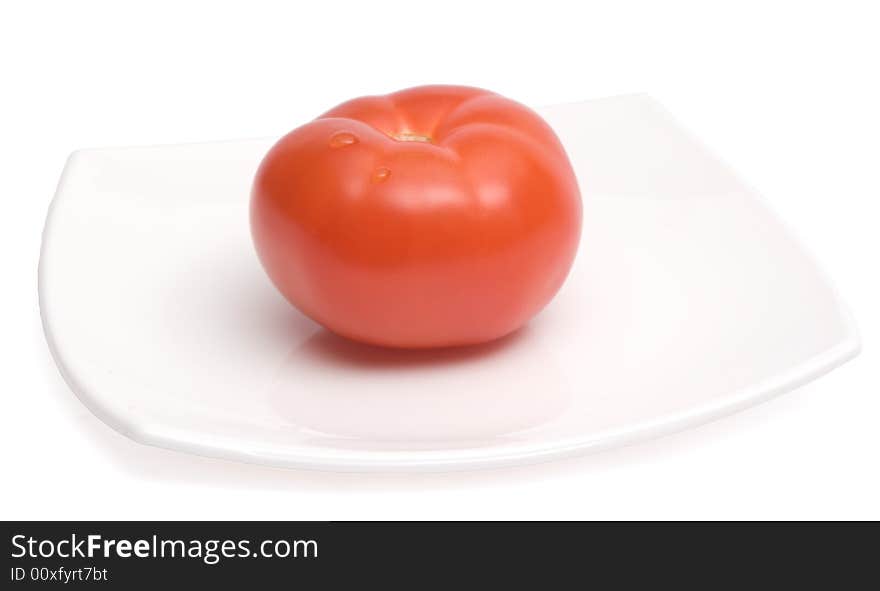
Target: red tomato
{"x": 434, "y": 216}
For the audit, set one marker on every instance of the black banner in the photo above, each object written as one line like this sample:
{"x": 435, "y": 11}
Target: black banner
{"x": 412, "y": 555}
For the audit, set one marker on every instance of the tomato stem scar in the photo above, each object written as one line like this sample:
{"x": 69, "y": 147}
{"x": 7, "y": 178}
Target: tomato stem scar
{"x": 407, "y": 136}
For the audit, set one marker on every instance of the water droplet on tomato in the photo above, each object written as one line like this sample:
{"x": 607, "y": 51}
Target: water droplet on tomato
{"x": 340, "y": 139}
{"x": 381, "y": 174}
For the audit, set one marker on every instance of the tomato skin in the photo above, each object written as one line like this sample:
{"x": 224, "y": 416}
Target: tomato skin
{"x": 434, "y": 216}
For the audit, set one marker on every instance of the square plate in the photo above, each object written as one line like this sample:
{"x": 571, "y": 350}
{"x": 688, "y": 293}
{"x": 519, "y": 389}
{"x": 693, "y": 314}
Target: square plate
{"x": 688, "y": 300}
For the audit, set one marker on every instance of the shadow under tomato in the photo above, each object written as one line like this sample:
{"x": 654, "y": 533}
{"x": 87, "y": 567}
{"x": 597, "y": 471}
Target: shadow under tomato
{"x": 328, "y": 347}
{"x": 336, "y": 393}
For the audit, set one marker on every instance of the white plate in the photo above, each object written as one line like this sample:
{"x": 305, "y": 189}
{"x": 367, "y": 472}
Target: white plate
{"x": 688, "y": 301}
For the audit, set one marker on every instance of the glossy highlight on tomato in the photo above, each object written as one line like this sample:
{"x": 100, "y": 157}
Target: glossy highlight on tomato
{"x": 430, "y": 217}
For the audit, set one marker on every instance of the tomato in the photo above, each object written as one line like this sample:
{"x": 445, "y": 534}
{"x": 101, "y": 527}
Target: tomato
{"x": 433, "y": 216}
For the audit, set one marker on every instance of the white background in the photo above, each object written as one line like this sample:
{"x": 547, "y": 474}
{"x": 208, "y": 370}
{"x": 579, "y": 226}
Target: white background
{"x": 786, "y": 92}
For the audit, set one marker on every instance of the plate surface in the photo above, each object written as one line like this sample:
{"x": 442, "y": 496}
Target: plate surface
{"x": 688, "y": 301}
